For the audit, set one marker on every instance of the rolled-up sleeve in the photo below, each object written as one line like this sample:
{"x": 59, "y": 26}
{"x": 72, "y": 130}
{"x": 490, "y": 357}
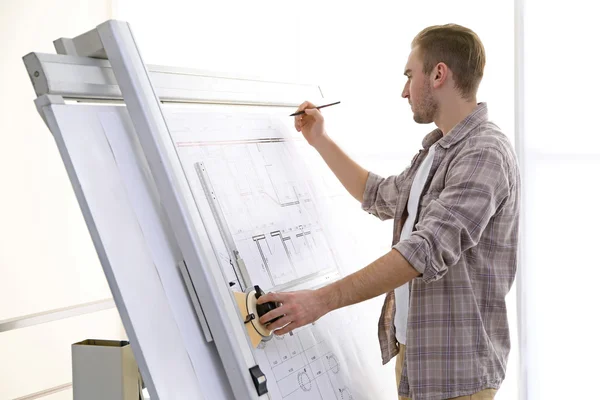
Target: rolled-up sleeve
{"x": 475, "y": 188}
{"x": 381, "y": 195}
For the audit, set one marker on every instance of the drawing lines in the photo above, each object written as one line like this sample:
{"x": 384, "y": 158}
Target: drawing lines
{"x": 265, "y": 198}
{"x": 287, "y": 250}
{"x": 301, "y": 364}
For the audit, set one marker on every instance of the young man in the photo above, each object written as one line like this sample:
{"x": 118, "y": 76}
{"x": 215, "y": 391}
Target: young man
{"x": 456, "y": 216}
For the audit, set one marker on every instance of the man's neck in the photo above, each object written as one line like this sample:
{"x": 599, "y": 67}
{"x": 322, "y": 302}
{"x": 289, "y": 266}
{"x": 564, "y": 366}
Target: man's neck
{"x": 453, "y": 113}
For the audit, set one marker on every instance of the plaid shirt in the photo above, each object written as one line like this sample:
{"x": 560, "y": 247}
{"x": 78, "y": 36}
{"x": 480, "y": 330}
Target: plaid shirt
{"x": 464, "y": 243}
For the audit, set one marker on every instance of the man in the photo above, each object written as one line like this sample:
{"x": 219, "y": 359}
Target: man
{"x": 456, "y": 215}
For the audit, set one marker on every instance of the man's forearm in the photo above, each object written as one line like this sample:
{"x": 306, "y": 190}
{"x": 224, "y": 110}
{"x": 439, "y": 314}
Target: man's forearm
{"x": 351, "y": 175}
{"x": 381, "y": 276}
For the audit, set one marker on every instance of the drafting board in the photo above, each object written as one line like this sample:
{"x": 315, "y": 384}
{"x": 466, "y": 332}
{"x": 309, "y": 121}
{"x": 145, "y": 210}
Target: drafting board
{"x": 141, "y": 173}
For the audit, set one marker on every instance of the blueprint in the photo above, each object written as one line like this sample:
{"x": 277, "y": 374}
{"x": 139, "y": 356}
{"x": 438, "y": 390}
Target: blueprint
{"x": 303, "y": 366}
{"x": 263, "y": 190}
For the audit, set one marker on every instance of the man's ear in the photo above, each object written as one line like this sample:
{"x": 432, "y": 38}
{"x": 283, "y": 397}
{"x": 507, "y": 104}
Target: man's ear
{"x": 440, "y": 74}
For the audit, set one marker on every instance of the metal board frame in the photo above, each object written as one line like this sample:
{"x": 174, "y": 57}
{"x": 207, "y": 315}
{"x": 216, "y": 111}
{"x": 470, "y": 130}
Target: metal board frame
{"x": 77, "y": 77}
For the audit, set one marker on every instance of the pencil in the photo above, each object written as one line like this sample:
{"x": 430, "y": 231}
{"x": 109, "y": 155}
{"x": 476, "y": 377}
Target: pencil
{"x": 318, "y": 108}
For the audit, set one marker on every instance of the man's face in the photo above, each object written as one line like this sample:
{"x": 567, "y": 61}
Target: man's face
{"x": 418, "y": 90}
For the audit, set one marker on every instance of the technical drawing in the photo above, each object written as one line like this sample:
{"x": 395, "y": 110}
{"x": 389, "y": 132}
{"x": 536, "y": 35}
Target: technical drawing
{"x": 283, "y": 240}
{"x": 304, "y": 381}
{"x": 263, "y": 191}
{"x": 265, "y": 260}
{"x": 345, "y": 394}
{"x": 303, "y": 367}
{"x": 334, "y": 365}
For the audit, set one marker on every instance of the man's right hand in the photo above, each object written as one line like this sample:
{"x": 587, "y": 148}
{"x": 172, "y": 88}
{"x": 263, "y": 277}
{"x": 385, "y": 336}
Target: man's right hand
{"x": 311, "y": 123}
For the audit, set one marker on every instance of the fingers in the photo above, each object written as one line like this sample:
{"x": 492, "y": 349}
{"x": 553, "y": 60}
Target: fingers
{"x": 292, "y": 315}
{"x": 305, "y": 105}
{"x": 314, "y": 113}
{"x": 286, "y": 329}
{"x": 279, "y": 311}
{"x": 276, "y": 297}
{"x": 298, "y": 123}
{"x": 281, "y": 322}
{"x": 272, "y": 297}
{"x": 300, "y": 120}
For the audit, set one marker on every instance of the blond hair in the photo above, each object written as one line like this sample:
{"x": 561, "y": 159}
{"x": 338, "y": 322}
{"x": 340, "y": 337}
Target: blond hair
{"x": 459, "y": 48}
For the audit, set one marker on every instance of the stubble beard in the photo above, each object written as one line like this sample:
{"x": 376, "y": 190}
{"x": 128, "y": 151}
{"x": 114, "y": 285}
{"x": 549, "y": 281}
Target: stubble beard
{"x": 425, "y": 111}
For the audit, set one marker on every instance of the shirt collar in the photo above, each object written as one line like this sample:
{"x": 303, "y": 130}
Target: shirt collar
{"x": 460, "y": 131}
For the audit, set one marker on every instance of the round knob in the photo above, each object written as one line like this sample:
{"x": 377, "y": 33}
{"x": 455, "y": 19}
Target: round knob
{"x": 264, "y": 308}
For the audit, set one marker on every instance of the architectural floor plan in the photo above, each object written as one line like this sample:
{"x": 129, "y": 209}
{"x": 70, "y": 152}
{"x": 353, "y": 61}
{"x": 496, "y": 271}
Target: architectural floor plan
{"x": 304, "y": 366}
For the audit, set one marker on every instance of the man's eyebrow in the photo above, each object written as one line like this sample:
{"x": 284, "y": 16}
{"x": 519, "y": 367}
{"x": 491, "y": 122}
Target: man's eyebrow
{"x": 408, "y": 71}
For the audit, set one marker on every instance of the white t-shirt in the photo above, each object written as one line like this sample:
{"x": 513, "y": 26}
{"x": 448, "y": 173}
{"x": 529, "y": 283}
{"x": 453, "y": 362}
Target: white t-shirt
{"x": 401, "y": 293}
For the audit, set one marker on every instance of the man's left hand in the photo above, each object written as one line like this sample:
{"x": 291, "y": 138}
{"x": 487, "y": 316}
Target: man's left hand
{"x": 297, "y": 309}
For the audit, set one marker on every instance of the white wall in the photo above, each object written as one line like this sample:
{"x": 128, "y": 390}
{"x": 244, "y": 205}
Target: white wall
{"x": 561, "y": 157}
{"x": 47, "y": 260}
